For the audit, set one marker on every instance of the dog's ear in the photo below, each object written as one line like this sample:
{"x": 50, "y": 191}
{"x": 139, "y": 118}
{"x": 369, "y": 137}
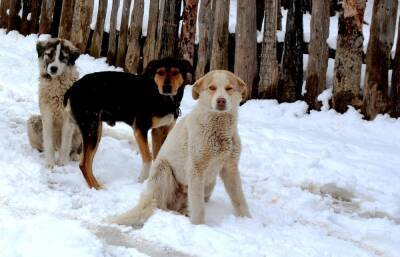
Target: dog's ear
{"x": 40, "y": 48}
{"x": 242, "y": 87}
{"x": 74, "y": 54}
{"x": 152, "y": 67}
{"x": 197, "y": 87}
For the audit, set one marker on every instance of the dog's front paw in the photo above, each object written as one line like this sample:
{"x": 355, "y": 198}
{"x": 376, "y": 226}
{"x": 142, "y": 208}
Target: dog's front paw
{"x": 50, "y": 165}
{"x": 75, "y": 157}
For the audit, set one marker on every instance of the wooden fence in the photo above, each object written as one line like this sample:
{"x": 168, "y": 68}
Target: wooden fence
{"x": 270, "y": 69}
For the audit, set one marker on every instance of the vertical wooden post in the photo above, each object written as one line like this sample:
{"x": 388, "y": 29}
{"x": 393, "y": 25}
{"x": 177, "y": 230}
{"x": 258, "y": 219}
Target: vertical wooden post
{"x": 123, "y": 34}
{"x": 318, "y": 53}
{"x": 150, "y": 43}
{"x": 80, "y": 29}
{"x": 13, "y": 18}
{"x": 348, "y": 60}
{"x": 169, "y": 21}
{"x": 25, "y": 23}
{"x": 376, "y": 95}
{"x": 112, "y": 38}
{"x": 97, "y": 38}
{"x": 188, "y": 32}
{"x": 205, "y": 37}
{"x": 67, "y": 14}
{"x": 219, "y": 57}
{"x": 395, "y": 89}
{"x": 291, "y": 76}
{"x": 246, "y": 43}
{"x": 46, "y": 16}
{"x": 135, "y": 33}
{"x": 4, "y": 5}
{"x": 35, "y": 14}
{"x": 268, "y": 84}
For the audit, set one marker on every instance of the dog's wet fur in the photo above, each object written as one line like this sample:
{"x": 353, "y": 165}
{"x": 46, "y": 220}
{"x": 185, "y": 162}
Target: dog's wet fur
{"x": 148, "y": 101}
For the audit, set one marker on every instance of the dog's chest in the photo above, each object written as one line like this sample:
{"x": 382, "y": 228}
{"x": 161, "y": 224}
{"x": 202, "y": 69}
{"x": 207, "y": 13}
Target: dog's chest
{"x": 218, "y": 134}
{"x": 52, "y": 93}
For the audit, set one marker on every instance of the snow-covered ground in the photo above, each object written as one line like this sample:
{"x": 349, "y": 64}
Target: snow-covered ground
{"x": 319, "y": 184}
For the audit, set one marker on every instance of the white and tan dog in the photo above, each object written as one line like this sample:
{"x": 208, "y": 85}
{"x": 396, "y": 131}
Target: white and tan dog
{"x": 203, "y": 145}
{"x": 57, "y": 74}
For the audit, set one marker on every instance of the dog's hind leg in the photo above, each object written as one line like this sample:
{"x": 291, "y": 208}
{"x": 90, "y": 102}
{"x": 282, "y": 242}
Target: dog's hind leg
{"x": 35, "y": 132}
{"x": 91, "y": 135}
{"x": 160, "y": 192}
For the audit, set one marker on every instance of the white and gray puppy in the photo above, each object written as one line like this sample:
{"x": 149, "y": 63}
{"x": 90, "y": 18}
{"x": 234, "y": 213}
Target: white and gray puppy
{"x": 203, "y": 145}
{"x": 58, "y": 72}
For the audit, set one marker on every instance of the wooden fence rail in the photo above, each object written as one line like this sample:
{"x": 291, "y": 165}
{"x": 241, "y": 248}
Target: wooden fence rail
{"x": 271, "y": 69}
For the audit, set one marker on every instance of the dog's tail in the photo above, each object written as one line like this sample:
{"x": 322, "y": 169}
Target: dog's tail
{"x": 138, "y": 215}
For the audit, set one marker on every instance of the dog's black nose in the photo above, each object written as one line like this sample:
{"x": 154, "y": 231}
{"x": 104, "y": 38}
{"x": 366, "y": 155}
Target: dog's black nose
{"x": 167, "y": 89}
{"x": 53, "y": 69}
{"x": 221, "y": 103}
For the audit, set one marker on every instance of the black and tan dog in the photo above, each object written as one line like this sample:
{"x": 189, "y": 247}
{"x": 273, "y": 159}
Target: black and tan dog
{"x": 148, "y": 101}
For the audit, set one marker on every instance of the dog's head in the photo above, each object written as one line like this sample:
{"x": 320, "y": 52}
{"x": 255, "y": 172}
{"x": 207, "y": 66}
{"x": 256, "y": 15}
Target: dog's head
{"x": 55, "y": 55}
{"x": 219, "y": 90}
{"x": 169, "y": 74}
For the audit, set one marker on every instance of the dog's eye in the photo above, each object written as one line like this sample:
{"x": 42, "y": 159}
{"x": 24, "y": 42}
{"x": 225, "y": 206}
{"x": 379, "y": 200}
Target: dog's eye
{"x": 212, "y": 88}
{"x": 161, "y": 73}
{"x": 229, "y": 89}
{"x": 175, "y": 73}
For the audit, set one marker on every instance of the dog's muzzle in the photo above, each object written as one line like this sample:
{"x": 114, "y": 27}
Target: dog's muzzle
{"x": 167, "y": 89}
{"x": 221, "y": 104}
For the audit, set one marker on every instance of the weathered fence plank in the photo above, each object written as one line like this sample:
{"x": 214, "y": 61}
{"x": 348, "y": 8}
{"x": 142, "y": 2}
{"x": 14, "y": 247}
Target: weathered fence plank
{"x": 205, "y": 37}
{"x": 149, "y": 49}
{"x": 268, "y": 84}
{"x": 349, "y": 51}
{"x": 188, "y": 32}
{"x": 13, "y": 17}
{"x": 4, "y": 5}
{"x": 168, "y": 25}
{"x": 219, "y": 57}
{"x": 135, "y": 33}
{"x": 376, "y": 89}
{"x": 97, "y": 38}
{"x": 80, "y": 29}
{"x": 318, "y": 53}
{"x": 67, "y": 14}
{"x": 25, "y": 23}
{"x": 123, "y": 34}
{"x": 112, "y": 38}
{"x": 291, "y": 77}
{"x": 246, "y": 43}
{"x": 395, "y": 88}
{"x": 35, "y": 14}
{"x": 46, "y": 16}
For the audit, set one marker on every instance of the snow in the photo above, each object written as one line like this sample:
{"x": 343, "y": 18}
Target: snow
{"x": 318, "y": 184}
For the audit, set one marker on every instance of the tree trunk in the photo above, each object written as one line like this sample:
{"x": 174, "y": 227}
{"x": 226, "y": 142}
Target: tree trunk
{"x": 383, "y": 26}
{"x": 395, "y": 89}
{"x": 205, "y": 37}
{"x": 135, "y": 33}
{"x": 80, "y": 29}
{"x": 97, "y": 38}
{"x": 169, "y": 23}
{"x": 219, "y": 57}
{"x": 348, "y": 60}
{"x": 67, "y": 14}
{"x": 188, "y": 32}
{"x": 13, "y": 18}
{"x": 46, "y": 16}
{"x": 35, "y": 14}
{"x": 291, "y": 77}
{"x": 268, "y": 84}
{"x": 4, "y": 5}
{"x": 149, "y": 50}
{"x": 318, "y": 53}
{"x": 112, "y": 37}
{"x": 123, "y": 34}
